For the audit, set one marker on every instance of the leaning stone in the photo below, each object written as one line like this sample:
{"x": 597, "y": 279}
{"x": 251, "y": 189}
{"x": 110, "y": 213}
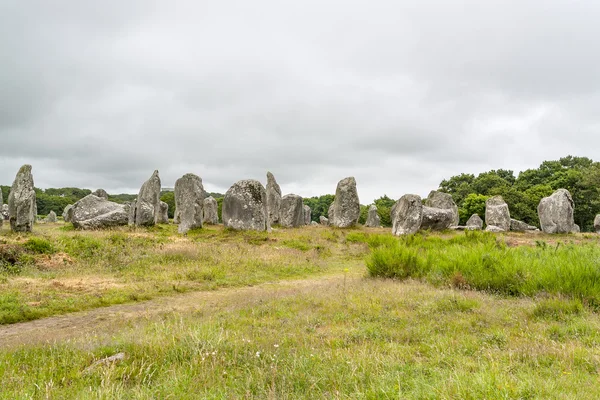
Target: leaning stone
{"x": 147, "y": 207}
{"x": 493, "y": 228}
{"x": 475, "y": 223}
{"x": 211, "y": 211}
{"x": 22, "y": 206}
{"x": 444, "y": 201}
{"x": 437, "y": 219}
{"x": 324, "y": 220}
{"x": 101, "y": 193}
{"x": 373, "y": 220}
{"x": 291, "y": 213}
{"x": 163, "y": 216}
{"x": 556, "y": 212}
{"x": 273, "y": 199}
{"x": 51, "y": 217}
{"x": 189, "y": 202}
{"x": 307, "y": 215}
{"x": 407, "y": 215}
{"x": 497, "y": 213}
{"x": 68, "y": 213}
{"x": 520, "y": 226}
{"x": 93, "y": 212}
{"x": 245, "y": 206}
{"x": 346, "y": 206}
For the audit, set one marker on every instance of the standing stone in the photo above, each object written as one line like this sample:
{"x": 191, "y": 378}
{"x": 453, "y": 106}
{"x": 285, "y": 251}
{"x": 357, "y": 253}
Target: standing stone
{"x": 497, "y": 213}
{"x": 245, "y": 206}
{"x": 324, "y": 220}
{"x": 21, "y": 201}
{"x": 163, "y": 217}
{"x": 437, "y": 219}
{"x": 407, "y": 215}
{"x": 101, "y": 193}
{"x": 5, "y": 214}
{"x": 556, "y": 212}
{"x": 147, "y": 207}
{"x": 307, "y": 215}
{"x": 330, "y": 213}
{"x": 67, "y": 213}
{"x": 597, "y": 223}
{"x": 211, "y": 211}
{"x": 132, "y": 211}
{"x": 346, "y": 206}
{"x": 273, "y": 199}
{"x": 51, "y": 217}
{"x": 475, "y": 223}
{"x": 189, "y": 202}
{"x": 291, "y": 214}
{"x": 93, "y": 212}
{"x": 373, "y": 220}
{"x": 444, "y": 201}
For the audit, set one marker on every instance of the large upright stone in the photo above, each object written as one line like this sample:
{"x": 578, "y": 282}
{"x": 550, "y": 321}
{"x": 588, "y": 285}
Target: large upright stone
{"x": 5, "y": 213}
{"x": 132, "y": 211}
{"x": 307, "y": 215}
{"x": 346, "y": 206}
{"x": 93, "y": 212}
{"x": 330, "y": 213}
{"x": 273, "y": 199}
{"x": 475, "y": 223}
{"x": 189, "y": 202}
{"x": 373, "y": 220}
{"x": 437, "y": 219}
{"x": 407, "y": 215}
{"x": 100, "y": 193}
{"x": 147, "y": 207}
{"x": 497, "y": 213}
{"x": 211, "y": 211}
{"x": 21, "y": 201}
{"x": 163, "y": 216}
{"x": 291, "y": 214}
{"x": 444, "y": 201}
{"x": 68, "y": 213}
{"x": 51, "y": 217}
{"x": 245, "y": 206}
{"x": 556, "y": 213}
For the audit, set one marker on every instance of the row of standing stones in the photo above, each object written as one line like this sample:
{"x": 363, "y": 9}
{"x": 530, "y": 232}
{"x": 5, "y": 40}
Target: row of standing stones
{"x": 248, "y": 205}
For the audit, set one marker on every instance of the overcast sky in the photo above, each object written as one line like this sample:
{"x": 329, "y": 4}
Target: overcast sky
{"x": 399, "y": 94}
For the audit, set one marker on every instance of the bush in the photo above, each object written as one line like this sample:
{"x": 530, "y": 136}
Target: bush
{"x": 39, "y": 245}
{"x": 557, "y": 309}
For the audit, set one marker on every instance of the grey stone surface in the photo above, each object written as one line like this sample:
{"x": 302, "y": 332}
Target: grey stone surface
{"x": 147, "y": 206}
{"x": 22, "y": 208}
{"x": 520, "y": 226}
{"x": 444, "y": 201}
{"x": 93, "y": 212}
{"x": 100, "y": 193}
{"x": 5, "y": 214}
{"x": 163, "y": 216}
{"x": 346, "y": 206}
{"x": 68, "y": 213}
{"x": 291, "y": 213}
{"x": 497, "y": 213}
{"x": 597, "y": 223}
{"x": 556, "y": 212}
{"x": 314, "y": 223}
{"x": 189, "y": 202}
{"x": 132, "y": 211}
{"x": 437, "y": 219}
{"x": 273, "y": 199}
{"x": 494, "y": 228}
{"x": 407, "y": 215}
{"x": 245, "y": 206}
{"x": 324, "y": 220}
{"x": 51, "y": 217}
{"x": 307, "y": 215}
{"x": 330, "y": 213}
{"x": 373, "y": 220}
{"x": 211, "y": 211}
{"x": 475, "y": 222}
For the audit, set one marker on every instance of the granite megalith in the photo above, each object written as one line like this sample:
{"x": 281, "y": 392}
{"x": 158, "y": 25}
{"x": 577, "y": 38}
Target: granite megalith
{"x": 147, "y": 205}
{"x": 497, "y": 213}
{"x": 407, "y": 215}
{"x": 291, "y": 212}
{"x": 245, "y": 206}
{"x": 189, "y": 202}
{"x": 346, "y": 206}
{"x": 373, "y": 220}
{"x": 556, "y": 213}
{"x": 22, "y": 208}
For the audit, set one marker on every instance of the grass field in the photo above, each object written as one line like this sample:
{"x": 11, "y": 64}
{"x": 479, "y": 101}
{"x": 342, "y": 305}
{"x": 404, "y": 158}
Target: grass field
{"x": 316, "y": 322}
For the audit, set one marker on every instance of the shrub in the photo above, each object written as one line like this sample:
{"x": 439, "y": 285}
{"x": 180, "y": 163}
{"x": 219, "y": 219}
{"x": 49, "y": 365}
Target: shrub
{"x": 557, "y": 308}
{"x": 39, "y": 245}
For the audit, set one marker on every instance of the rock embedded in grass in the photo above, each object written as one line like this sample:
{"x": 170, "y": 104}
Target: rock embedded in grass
{"x": 520, "y": 226}
{"x": 444, "y": 201}
{"x": 324, "y": 220}
{"x": 245, "y": 206}
{"x": 291, "y": 212}
{"x": 556, "y": 213}
{"x": 211, "y": 211}
{"x": 68, "y": 213}
{"x": 474, "y": 223}
{"x": 307, "y": 215}
{"x": 22, "y": 206}
{"x": 497, "y": 213}
{"x": 346, "y": 206}
{"x": 163, "y": 215}
{"x": 373, "y": 220}
{"x": 147, "y": 206}
{"x": 189, "y": 202}
{"x": 273, "y": 192}
{"x": 51, "y": 217}
{"x": 93, "y": 212}
{"x": 407, "y": 215}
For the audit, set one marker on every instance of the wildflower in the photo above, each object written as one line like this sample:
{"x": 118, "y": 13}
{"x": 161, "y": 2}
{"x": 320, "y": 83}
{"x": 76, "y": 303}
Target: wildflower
{"x": 258, "y": 354}
{"x": 276, "y": 345}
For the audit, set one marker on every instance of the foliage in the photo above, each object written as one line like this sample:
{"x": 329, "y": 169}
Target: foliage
{"x": 319, "y": 205}
{"x": 384, "y": 210}
{"x": 473, "y": 204}
{"x": 169, "y": 198}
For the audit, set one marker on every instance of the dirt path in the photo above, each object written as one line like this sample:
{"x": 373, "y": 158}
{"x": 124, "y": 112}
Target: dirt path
{"x": 102, "y": 321}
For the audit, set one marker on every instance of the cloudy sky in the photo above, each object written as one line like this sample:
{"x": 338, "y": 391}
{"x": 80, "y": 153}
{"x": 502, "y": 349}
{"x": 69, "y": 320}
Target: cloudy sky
{"x": 399, "y": 93}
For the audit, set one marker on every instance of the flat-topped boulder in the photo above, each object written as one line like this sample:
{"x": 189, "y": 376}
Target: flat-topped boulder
{"x": 93, "y": 212}
{"x": 211, "y": 211}
{"x": 497, "y": 213}
{"x": 445, "y": 202}
{"x": 22, "y": 208}
{"x": 373, "y": 220}
{"x": 273, "y": 192}
{"x": 245, "y": 206}
{"x": 437, "y": 219}
{"x": 407, "y": 215}
{"x": 189, "y": 202}
{"x": 346, "y": 206}
{"x": 291, "y": 213}
{"x": 147, "y": 206}
{"x": 556, "y": 213}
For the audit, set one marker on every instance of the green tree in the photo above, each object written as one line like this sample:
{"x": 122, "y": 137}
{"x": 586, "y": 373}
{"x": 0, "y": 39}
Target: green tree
{"x": 169, "y": 198}
{"x": 384, "y": 210}
{"x": 473, "y": 204}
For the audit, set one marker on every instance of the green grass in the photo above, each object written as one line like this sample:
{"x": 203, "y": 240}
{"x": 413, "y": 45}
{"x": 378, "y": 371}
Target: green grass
{"x": 483, "y": 261}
